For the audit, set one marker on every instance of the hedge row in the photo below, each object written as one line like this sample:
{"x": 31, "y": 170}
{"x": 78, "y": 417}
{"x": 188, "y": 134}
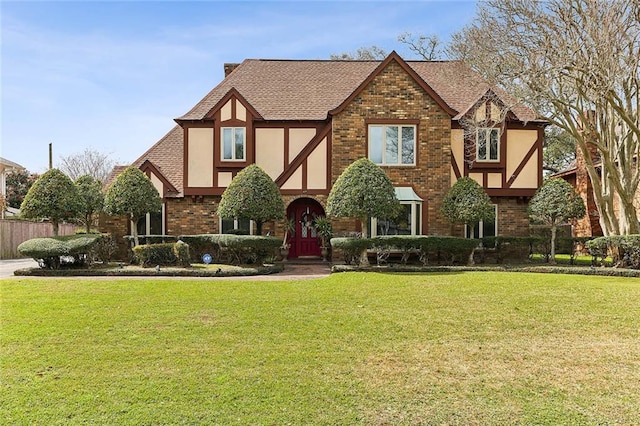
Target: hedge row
{"x": 163, "y": 254}
{"x": 452, "y": 250}
{"x": 232, "y": 249}
{"x": 427, "y": 248}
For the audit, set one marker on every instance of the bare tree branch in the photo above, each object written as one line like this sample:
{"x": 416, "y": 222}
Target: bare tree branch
{"x": 577, "y": 62}
{"x": 89, "y": 162}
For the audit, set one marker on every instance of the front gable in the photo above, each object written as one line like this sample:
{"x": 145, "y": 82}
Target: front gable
{"x": 509, "y": 164}
{"x": 394, "y": 58}
{"x": 160, "y": 182}
{"x": 217, "y": 147}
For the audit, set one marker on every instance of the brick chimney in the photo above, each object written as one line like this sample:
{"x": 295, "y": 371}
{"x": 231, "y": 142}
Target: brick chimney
{"x": 228, "y": 68}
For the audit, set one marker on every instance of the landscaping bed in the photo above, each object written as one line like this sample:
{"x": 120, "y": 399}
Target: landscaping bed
{"x": 547, "y": 269}
{"x": 196, "y": 270}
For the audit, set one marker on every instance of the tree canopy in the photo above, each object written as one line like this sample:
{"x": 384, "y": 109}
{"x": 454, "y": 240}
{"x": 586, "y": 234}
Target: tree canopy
{"x": 18, "y": 184}
{"x": 363, "y": 190}
{"x": 467, "y": 203}
{"x": 554, "y": 203}
{"x": 52, "y": 196}
{"x": 578, "y": 63}
{"x": 91, "y": 199}
{"x": 253, "y": 195}
{"x": 132, "y": 194}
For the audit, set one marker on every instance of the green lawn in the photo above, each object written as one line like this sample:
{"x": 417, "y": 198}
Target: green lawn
{"x": 353, "y": 348}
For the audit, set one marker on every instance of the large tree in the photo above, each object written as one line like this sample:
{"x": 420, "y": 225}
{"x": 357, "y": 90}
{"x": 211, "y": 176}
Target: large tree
{"x": 89, "y": 162}
{"x": 559, "y": 151}
{"x": 363, "y": 191}
{"x": 18, "y": 184}
{"x": 53, "y": 196}
{"x": 576, "y": 62}
{"x": 252, "y": 195}
{"x": 555, "y": 203}
{"x": 91, "y": 199}
{"x": 132, "y": 194}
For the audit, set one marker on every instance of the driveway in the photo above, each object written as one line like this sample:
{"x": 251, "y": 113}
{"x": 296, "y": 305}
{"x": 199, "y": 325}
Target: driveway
{"x": 7, "y": 266}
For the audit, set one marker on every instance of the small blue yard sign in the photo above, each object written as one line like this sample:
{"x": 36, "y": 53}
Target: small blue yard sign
{"x": 207, "y": 258}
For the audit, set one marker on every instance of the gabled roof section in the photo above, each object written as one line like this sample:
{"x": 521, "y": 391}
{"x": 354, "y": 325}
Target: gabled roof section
{"x": 232, "y": 93}
{"x": 393, "y": 56}
{"x": 167, "y": 156}
{"x": 148, "y": 166}
{"x": 310, "y": 89}
{"x": 516, "y": 111}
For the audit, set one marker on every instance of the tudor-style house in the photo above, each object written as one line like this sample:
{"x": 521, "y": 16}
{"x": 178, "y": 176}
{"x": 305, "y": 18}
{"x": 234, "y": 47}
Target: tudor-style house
{"x": 425, "y": 124}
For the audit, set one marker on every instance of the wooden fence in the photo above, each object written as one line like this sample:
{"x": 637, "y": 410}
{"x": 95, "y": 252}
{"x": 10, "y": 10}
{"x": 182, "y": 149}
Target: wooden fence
{"x": 14, "y": 232}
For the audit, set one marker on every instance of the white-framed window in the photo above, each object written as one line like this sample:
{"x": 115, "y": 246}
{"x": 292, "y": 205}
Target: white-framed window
{"x": 392, "y": 144}
{"x": 241, "y": 226}
{"x": 407, "y": 222}
{"x": 488, "y": 144}
{"x": 233, "y": 144}
{"x": 484, "y": 229}
{"x": 151, "y": 223}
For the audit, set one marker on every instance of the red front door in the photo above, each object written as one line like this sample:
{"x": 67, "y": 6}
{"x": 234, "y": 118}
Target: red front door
{"x": 305, "y": 241}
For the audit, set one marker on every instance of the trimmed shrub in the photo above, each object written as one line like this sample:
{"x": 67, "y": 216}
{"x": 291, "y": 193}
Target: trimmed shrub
{"x": 624, "y": 249}
{"x": 248, "y": 249}
{"x": 56, "y": 251}
{"x": 351, "y": 247}
{"x": 155, "y": 254}
{"x": 199, "y": 245}
{"x": 450, "y": 250}
{"x": 504, "y": 249}
{"x": 181, "y": 251}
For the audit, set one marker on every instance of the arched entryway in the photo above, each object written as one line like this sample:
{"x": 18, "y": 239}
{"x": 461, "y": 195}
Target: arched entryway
{"x": 304, "y": 241}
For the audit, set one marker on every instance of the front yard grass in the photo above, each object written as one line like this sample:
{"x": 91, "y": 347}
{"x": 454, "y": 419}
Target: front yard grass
{"x": 352, "y": 348}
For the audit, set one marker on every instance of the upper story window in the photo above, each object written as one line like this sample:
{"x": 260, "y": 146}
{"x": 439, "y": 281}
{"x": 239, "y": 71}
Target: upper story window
{"x": 488, "y": 144}
{"x": 233, "y": 144}
{"x": 392, "y": 144}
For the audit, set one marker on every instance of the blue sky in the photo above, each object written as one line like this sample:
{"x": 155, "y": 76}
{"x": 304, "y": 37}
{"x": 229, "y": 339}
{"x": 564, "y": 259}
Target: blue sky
{"x": 111, "y": 76}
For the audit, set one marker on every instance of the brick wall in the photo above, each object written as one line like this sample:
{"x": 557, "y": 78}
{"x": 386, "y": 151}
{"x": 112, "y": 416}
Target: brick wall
{"x": 394, "y": 95}
{"x": 513, "y": 220}
{"x": 118, "y": 227}
{"x": 192, "y": 215}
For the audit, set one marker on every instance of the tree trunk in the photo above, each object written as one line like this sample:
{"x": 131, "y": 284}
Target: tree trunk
{"x": 552, "y": 257}
{"x": 472, "y": 262}
{"x": 134, "y": 230}
{"x": 364, "y": 258}
{"x": 55, "y": 227}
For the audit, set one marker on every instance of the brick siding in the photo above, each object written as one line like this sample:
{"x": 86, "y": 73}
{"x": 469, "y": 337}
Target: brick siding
{"x": 394, "y": 95}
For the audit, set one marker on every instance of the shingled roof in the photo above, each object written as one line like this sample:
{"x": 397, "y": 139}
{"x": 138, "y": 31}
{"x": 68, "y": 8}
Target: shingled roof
{"x": 310, "y": 90}
{"x": 167, "y": 156}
